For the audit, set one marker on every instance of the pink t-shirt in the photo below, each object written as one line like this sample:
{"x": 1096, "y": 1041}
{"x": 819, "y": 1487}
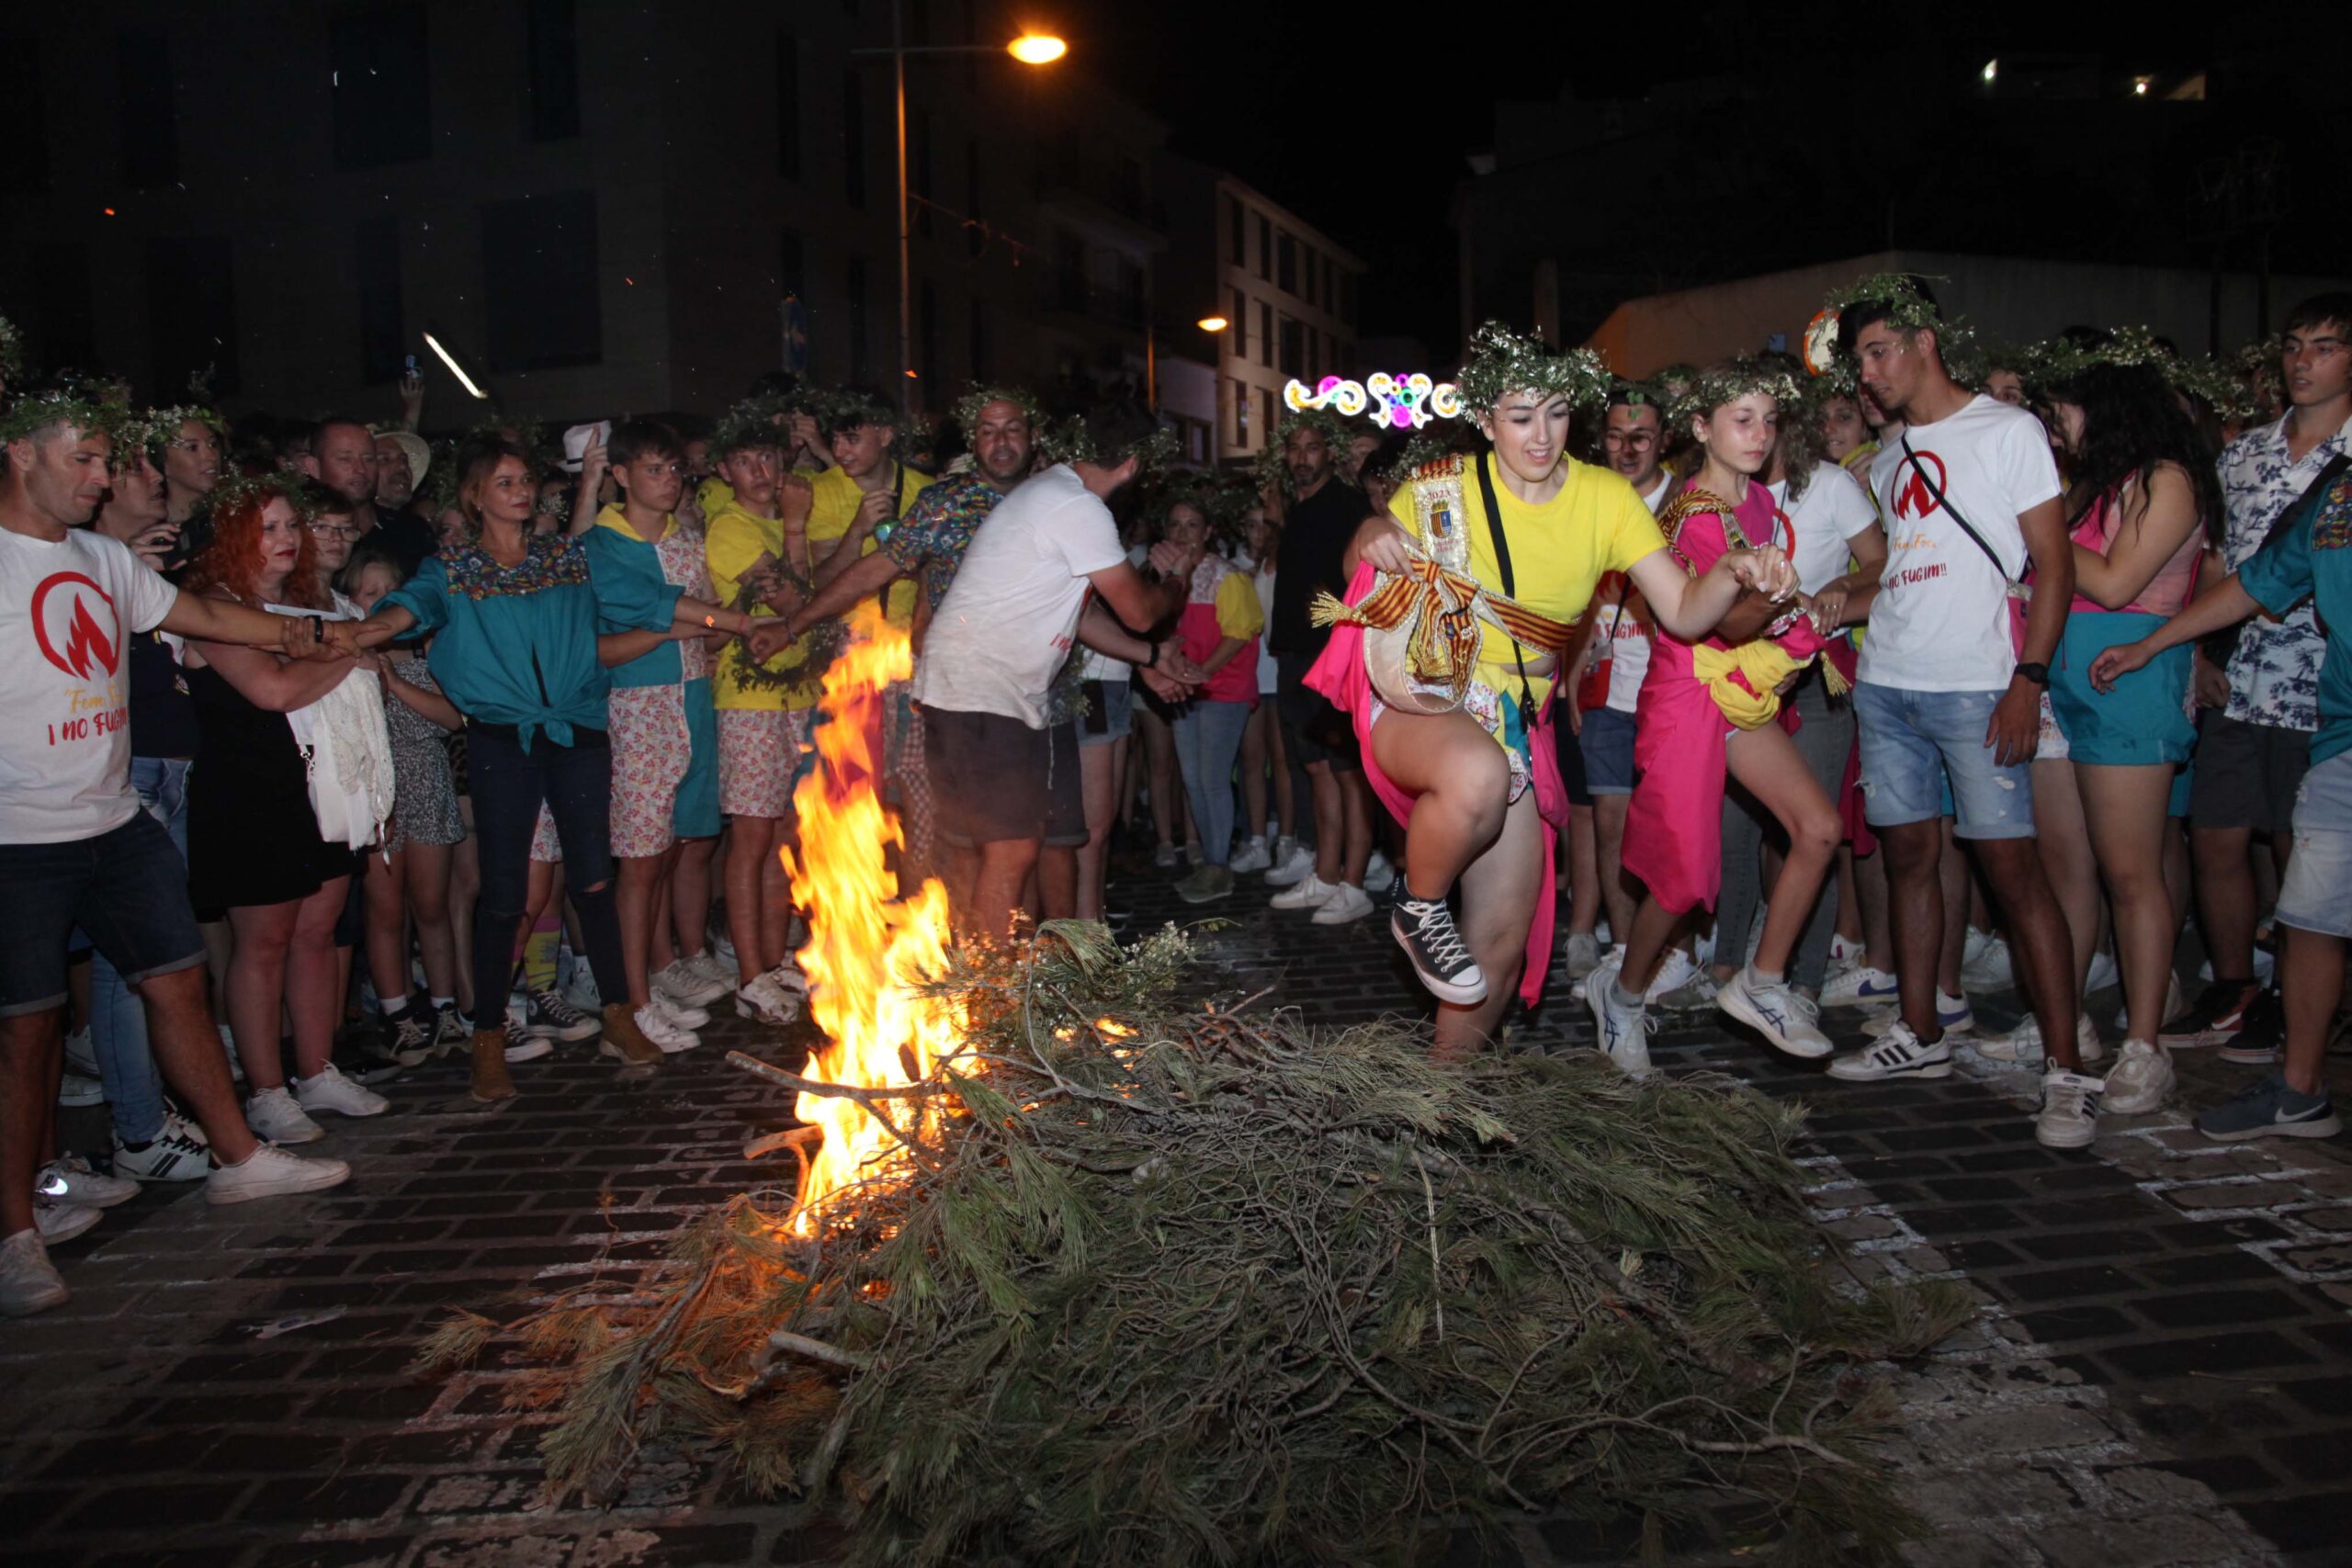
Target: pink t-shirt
{"x": 2166, "y": 592}
{"x": 1702, "y": 541}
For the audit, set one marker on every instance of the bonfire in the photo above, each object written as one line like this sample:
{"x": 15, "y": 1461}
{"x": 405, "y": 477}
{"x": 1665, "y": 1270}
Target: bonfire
{"x": 1080, "y": 1266}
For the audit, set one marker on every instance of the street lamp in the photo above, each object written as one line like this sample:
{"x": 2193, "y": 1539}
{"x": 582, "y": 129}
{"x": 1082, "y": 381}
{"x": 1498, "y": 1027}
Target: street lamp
{"x": 1212, "y": 323}
{"x": 1030, "y": 48}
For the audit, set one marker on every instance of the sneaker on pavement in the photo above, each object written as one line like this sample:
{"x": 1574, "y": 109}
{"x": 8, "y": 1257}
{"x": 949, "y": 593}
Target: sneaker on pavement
{"x": 2257, "y": 1042}
{"x": 1206, "y": 884}
{"x": 1304, "y": 894}
{"x": 580, "y": 992}
{"x": 657, "y": 1025}
{"x": 2140, "y": 1080}
{"x": 1379, "y": 876}
{"x": 689, "y": 986}
{"x": 1424, "y": 927}
{"x": 2271, "y": 1108}
{"x": 405, "y": 1038}
{"x": 551, "y": 1016}
{"x": 331, "y": 1091}
{"x": 1984, "y": 962}
{"x": 1861, "y": 985}
{"x": 789, "y": 977}
{"x": 624, "y": 1040}
{"x": 1681, "y": 985}
{"x": 2069, "y": 1115}
{"x": 762, "y": 1000}
{"x": 2214, "y": 1018}
{"x": 70, "y": 1179}
{"x": 2023, "y": 1043}
{"x": 1582, "y": 955}
{"x": 1345, "y": 904}
{"x": 1843, "y": 953}
{"x": 1291, "y": 866}
{"x": 1622, "y": 1034}
{"x": 1775, "y": 1011}
{"x": 1164, "y": 858}
{"x": 274, "y": 1115}
{"x": 710, "y": 966}
{"x": 722, "y": 953}
{"x": 270, "y": 1172}
{"x": 29, "y": 1280}
{"x": 1953, "y": 1012}
{"x": 57, "y": 1219}
{"x": 679, "y": 1014}
{"x": 1253, "y": 857}
{"x": 81, "y": 1056}
{"x": 73, "y": 1091}
{"x": 1899, "y": 1054}
{"x": 451, "y": 1030}
{"x": 178, "y": 1153}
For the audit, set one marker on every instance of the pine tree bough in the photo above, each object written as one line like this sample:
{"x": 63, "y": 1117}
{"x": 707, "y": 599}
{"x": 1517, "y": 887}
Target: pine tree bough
{"x": 1170, "y": 1292}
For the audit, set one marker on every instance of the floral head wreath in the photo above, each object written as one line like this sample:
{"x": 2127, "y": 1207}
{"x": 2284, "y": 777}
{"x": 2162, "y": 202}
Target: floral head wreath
{"x": 1272, "y": 467}
{"x": 749, "y": 426}
{"x": 2051, "y": 366}
{"x": 21, "y": 415}
{"x": 169, "y": 420}
{"x": 845, "y": 410}
{"x": 12, "y": 350}
{"x": 1731, "y": 382}
{"x": 1907, "y": 309}
{"x": 1501, "y": 362}
{"x": 969, "y": 407}
{"x": 235, "y": 490}
{"x": 1069, "y": 441}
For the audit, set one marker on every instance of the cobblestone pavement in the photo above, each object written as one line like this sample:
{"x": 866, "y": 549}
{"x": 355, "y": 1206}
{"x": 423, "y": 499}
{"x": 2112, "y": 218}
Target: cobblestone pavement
{"x": 2162, "y": 1373}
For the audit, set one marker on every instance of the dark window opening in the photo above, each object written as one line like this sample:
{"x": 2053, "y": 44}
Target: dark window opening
{"x": 380, "y": 83}
{"x": 1286, "y": 265}
{"x": 854, "y": 138}
{"x": 1240, "y": 325}
{"x": 382, "y": 328}
{"x": 552, "y": 47}
{"x": 540, "y": 283}
{"x": 1265, "y": 246}
{"x": 1235, "y": 231}
{"x": 1293, "y": 350}
{"x": 150, "y": 131}
{"x": 1265, "y": 335}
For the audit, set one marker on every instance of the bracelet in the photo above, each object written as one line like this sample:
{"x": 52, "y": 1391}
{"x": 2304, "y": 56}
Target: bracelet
{"x": 710, "y": 623}
{"x": 1151, "y": 659}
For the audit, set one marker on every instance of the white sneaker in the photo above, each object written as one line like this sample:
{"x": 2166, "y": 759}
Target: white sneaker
{"x": 580, "y": 991}
{"x": 1861, "y": 985}
{"x": 1345, "y": 905}
{"x": 1292, "y": 865}
{"x": 1897, "y": 1054}
{"x": 57, "y": 1219}
{"x": 70, "y": 1179}
{"x": 1164, "y": 857}
{"x": 2023, "y": 1043}
{"x": 2140, "y": 1080}
{"x": 1953, "y": 1012}
{"x": 788, "y": 978}
{"x": 331, "y": 1091}
{"x": 678, "y": 1012}
{"x": 521, "y": 1047}
{"x": 270, "y": 1172}
{"x": 1984, "y": 962}
{"x": 273, "y": 1114}
{"x": 722, "y": 953}
{"x": 1843, "y": 953}
{"x": 681, "y": 982}
{"x": 178, "y": 1153}
{"x": 1253, "y": 857}
{"x": 763, "y": 1002}
{"x": 74, "y": 1090}
{"x": 2069, "y": 1114}
{"x": 1307, "y": 894}
{"x": 1681, "y": 985}
{"x": 29, "y": 1280}
{"x": 1775, "y": 1011}
{"x": 1623, "y": 1035}
{"x": 81, "y": 1056}
{"x": 1582, "y": 955}
{"x": 657, "y": 1026}
{"x": 1379, "y": 876}
{"x": 2103, "y": 974}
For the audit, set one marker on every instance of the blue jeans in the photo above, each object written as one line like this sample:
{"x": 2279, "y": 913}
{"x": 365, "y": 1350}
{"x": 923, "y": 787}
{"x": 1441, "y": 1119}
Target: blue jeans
{"x": 507, "y": 785}
{"x": 117, "y": 1017}
{"x": 1913, "y": 743}
{"x": 1208, "y": 737}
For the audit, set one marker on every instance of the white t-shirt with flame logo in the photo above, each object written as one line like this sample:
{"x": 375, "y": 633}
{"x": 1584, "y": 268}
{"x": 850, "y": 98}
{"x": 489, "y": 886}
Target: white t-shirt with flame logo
{"x": 1941, "y": 619}
{"x": 68, "y": 611}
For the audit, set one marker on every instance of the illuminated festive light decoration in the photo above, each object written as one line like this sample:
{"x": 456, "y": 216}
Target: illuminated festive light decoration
{"x": 1821, "y": 343}
{"x": 1395, "y": 402}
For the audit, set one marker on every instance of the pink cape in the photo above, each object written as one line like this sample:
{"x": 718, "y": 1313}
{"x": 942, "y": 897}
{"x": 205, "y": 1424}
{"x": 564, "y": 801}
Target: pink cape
{"x": 1338, "y": 674}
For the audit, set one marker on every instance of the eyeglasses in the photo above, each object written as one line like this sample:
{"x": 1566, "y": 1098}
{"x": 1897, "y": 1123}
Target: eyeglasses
{"x": 1636, "y": 439}
{"x": 332, "y": 530}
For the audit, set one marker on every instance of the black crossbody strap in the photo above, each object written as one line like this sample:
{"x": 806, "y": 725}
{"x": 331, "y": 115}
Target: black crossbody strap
{"x": 2299, "y": 510}
{"x": 1511, "y": 583}
{"x": 1945, "y": 502}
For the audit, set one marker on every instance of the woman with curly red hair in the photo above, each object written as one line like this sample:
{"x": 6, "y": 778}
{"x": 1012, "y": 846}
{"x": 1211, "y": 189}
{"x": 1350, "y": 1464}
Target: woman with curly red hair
{"x": 254, "y": 845}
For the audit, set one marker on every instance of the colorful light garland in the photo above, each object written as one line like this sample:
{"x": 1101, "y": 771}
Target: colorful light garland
{"x": 1395, "y": 402}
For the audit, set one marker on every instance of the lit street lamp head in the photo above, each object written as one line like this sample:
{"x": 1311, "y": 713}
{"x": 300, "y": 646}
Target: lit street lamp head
{"x": 1037, "y": 49}
{"x": 1212, "y": 323}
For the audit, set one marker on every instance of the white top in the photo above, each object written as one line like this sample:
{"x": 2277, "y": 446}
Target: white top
{"x": 68, "y": 611}
{"x": 1832, "y": 510}
{"x": 1269, "y": 675}
{"x": 1629, "y": 634}
{"x": 1941, "y": 619}
{"x": 1002, "y": 632}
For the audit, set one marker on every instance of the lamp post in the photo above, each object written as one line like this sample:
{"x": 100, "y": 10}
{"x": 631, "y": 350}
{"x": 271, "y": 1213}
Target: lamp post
{"x": 1030, "y": 48}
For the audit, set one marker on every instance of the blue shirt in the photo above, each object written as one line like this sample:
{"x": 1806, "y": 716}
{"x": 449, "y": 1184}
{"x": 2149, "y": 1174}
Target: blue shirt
{"x": 513, "y": 645}
{"x": 633, "y": 594}
{"x": 2316, "y": 562}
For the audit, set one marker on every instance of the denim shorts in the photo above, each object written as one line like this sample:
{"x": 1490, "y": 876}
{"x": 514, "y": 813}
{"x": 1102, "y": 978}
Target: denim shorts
{"x": 1110, "y": 713}
{"x": 127, "y": 888}
{"x": 2311, "y": 896}
{"x": 1608, "y": 743}
{"x": 1915, "y": 743}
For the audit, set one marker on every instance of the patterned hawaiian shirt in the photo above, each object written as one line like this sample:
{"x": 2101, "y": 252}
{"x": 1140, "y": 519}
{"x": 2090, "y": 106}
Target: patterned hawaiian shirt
{"x": 2273, "y": 674}
{"x": 938, "y": 529}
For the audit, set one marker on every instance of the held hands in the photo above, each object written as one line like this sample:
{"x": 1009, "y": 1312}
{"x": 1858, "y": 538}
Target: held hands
{"x": 1828, "y": 609}
{"x": 1167, "y": 688}
{"x": 1391, "y": 550}
{"x": 2125, "y": 657}
{"x": 768, "y": 638}
{"x": 1176, "y": 667}
{"x": 1766, "y": 568}
{"x": 1171, "y": 559}
{"x": 2015, "y": 732}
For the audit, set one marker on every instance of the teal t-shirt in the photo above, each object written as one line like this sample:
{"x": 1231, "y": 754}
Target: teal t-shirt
{"x": 2316, "y": 560}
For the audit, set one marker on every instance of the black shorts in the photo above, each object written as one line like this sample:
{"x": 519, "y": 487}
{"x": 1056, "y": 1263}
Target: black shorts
{"x": 2247, "y": 774}
{"x": 1570, "y": 752}
{"x": 994, "y": 778}
{"x": 127, "y": 888}
{"x": 1313, "y": 729}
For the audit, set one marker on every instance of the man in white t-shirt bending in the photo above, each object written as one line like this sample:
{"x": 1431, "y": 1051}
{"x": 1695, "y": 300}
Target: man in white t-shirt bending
{"x": 1006, "y": 780}
{"x": 76, "y": 848}
{"x": 1970, "y": 495}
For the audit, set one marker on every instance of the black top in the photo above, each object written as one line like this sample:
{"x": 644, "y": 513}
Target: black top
{"x": 406, "y": 534}
{"x": 162, "y": 718}
{"x": 1314, "y": 542}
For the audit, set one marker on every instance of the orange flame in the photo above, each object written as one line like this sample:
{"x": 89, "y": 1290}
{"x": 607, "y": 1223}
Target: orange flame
{"x": 867, "y": 950}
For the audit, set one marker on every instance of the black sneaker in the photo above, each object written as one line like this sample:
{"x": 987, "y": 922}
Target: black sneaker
{"x": 407, "y": 1038}
{"x": 2216, "y": 1016}
{"x": 549, "y": 1017}
{"x": 1424, "y": 929}
{"x": 2259, "y": 1034}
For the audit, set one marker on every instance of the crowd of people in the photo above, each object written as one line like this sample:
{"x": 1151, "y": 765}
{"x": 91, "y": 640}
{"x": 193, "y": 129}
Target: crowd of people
{"x": 1852, "y": 678}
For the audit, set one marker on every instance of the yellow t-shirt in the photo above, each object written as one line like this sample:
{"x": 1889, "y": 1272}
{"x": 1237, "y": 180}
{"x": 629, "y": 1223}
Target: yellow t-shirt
{"x": 1558, "y": 550}
{"x": 838, "y": 498}
{"x": 733, "y": 542}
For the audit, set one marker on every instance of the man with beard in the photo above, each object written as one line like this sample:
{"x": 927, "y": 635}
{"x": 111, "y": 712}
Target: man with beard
{"x": 341, "y": 455}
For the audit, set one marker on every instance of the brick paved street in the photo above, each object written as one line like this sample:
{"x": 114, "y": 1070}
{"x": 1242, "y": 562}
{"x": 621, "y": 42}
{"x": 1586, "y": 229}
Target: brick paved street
{"x": 2162, "y": 1374}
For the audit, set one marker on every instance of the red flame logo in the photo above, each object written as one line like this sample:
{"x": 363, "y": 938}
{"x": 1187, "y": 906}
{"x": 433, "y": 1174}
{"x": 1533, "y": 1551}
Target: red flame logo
{"x": 91, "y": 643}
{"x": 1912, "y": 496}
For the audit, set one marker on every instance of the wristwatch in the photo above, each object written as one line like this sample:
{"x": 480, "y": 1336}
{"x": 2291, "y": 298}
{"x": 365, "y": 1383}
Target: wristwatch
{"x": 2037, "y": 673}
